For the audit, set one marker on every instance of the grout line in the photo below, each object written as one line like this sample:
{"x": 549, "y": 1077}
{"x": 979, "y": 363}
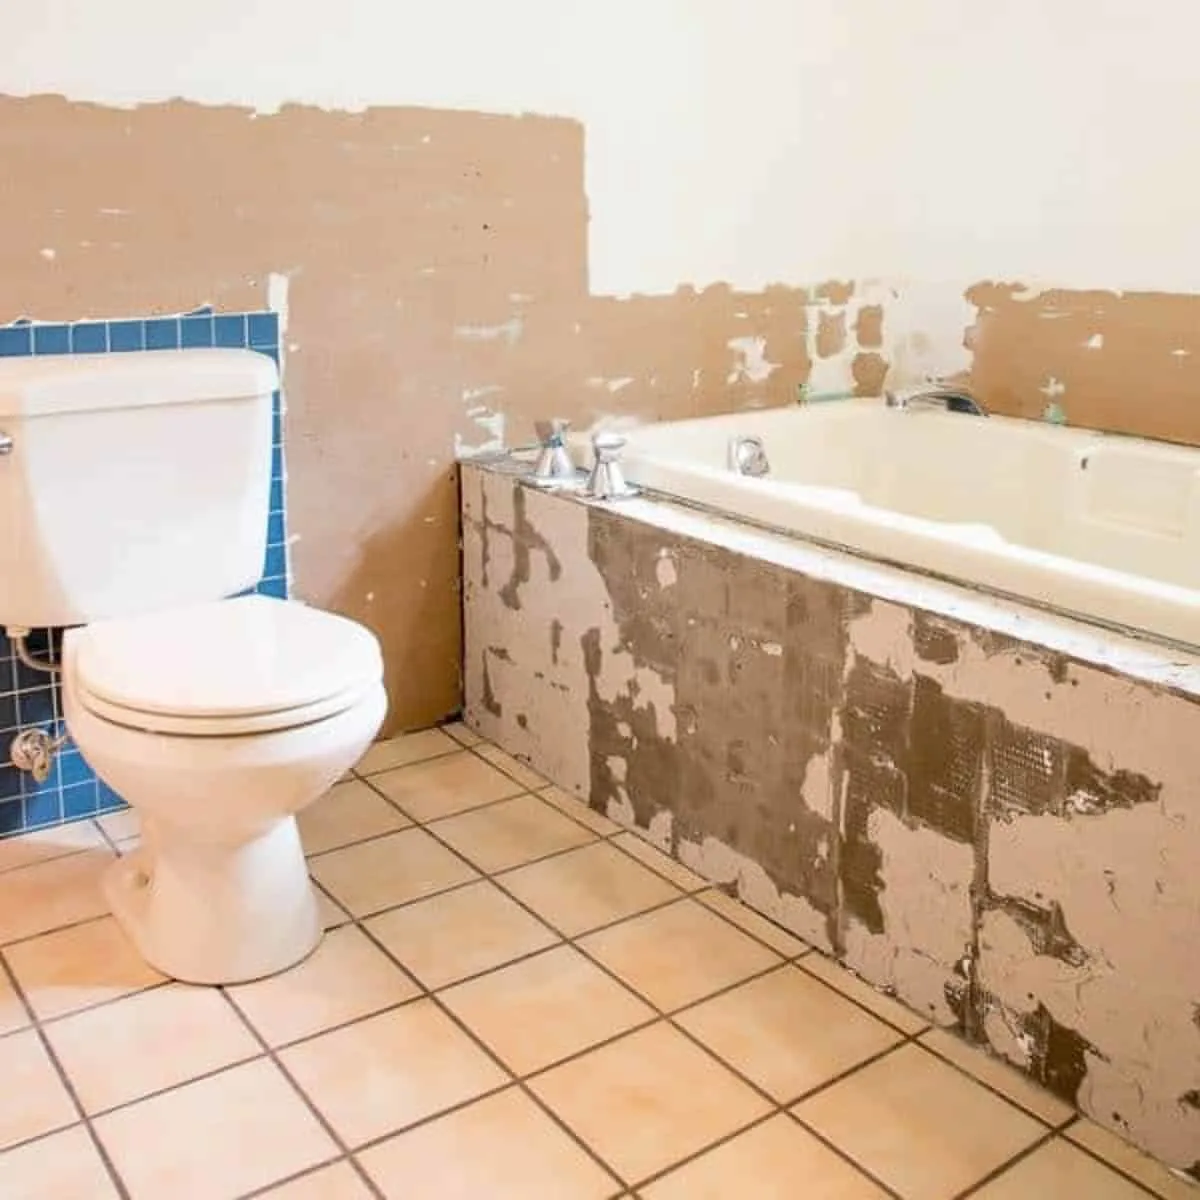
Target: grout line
{"x": 299, "y": 1175}
{"x": 995, "y": 1172}
{"x": 114, "y": 1175}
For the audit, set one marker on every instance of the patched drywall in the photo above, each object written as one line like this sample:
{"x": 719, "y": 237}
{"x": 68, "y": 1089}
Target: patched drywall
{"x": 1001, "y": 834}
{"x": 432, "y": 268}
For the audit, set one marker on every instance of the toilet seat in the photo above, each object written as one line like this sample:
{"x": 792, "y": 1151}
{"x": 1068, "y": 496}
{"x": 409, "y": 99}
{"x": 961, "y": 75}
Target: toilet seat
{"x": 243, "y": 666}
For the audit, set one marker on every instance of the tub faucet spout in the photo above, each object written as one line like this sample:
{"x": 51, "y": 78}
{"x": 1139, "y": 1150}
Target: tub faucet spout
{"x": 946, "y": 397}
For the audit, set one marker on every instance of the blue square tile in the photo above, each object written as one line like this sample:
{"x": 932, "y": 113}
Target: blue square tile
{"x": 89, "y": 337}
{"x": 273, "y": 587}
{"x": 277, "y": 492}
{"x": 8, "y": 717}
{"x": 126, "y": 335}
{"x": 15, "y": 339}
{"x": 277, "y": 422}
{"x": 162, "y": 333}
{"x": 12, "y": 818}
{"x": 73, "y": 768}
{"x": 52, "y": 339}
{"x": 276, "y": 564}
{"x": 106, "y": 799}
{"x": 79, "y": 801}
{"x": 43, "y": 808}
{"x": 229, "y": 330}
{"x": 276, "y": 533}
{"x": 263, "y": 329}
{"x": 10, "y": 781}
{"x": 196, "y": 331}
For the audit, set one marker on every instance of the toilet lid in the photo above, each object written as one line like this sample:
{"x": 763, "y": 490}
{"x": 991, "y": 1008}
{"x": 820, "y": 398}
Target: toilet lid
{"x": 251, "y": 657}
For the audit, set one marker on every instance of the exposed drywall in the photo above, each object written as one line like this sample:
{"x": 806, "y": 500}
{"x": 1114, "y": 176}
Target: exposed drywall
{"x": 435, "y": 275}
{"x": 1001, "y": 834}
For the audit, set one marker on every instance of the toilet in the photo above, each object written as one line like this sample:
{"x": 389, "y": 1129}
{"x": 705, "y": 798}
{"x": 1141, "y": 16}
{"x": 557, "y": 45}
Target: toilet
{"x": 134, "y": 494}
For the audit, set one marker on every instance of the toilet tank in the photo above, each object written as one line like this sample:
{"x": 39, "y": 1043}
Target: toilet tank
{"x": 131, "y": 482}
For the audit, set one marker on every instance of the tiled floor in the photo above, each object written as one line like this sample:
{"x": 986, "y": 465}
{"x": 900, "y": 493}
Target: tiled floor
{"x": 515, "y": 999}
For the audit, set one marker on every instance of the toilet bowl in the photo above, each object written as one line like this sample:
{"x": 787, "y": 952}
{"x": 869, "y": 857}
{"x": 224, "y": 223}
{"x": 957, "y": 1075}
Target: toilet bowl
{"x": 217, "y": 723}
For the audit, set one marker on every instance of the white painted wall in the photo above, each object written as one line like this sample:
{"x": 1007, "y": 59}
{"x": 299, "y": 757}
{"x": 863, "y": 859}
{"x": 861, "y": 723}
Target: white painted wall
{"x": 741, "y": 140}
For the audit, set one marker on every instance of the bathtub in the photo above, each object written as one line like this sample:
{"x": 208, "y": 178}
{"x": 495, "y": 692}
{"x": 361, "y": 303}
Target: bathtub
{"x": 1099, "y": 526}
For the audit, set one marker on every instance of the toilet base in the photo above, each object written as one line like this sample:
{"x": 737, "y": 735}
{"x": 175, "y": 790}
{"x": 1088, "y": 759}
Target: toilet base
{"x": 214, "y": 913}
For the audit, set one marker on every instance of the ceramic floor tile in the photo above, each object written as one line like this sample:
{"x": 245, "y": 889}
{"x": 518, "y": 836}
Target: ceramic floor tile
{"x": 863, "y": 993}
{"x": 445, "y": 786}
{"x": 63, "y": 1166}
{"x": 502, "y": 1147}
{"x": 1059, "y": 1169}
{"x": 586, "y": 888}
{"x": 683, "y": 878}
{"x": 12, "y": 1011}
{"x": 146, "y": 1042}
{"x": 777, "y": 1160}
{"x": 221, "y": 1136}
{"x": 84, "y": 964}
{"x": 919, "y": 1125}
{"x": 510, "y": 833}
{"x": 544, "y": 1008}
{"x": 648, "y": 1100}
{"x": 1132, "y": 1161}
{"x": 44, "y": 844}
{"x": 787, "y": 1032}
{"x": 121, "y": 825}
{"x": 460, "y": 933}
{"x": 347, "y": 813}
{"x": 340, "y": 1181}
{"x": 371, "y": 876}
{"x": 330, "y": 913}
{"x": 33, "y": 1099}
{"x": 38, "y": 898}
{"x": 463, "y": 734}
{"x": 575, "y": 808}
{"x": 678, "y": 954}
{"x": 345, "y": 978}
{"x": 381, "y": 1074}
{"x": 754, "y": 924}
{"x": 1008, "y": 1081}
{"x": 405, "y": 749}
{"x": 523, "y": 774}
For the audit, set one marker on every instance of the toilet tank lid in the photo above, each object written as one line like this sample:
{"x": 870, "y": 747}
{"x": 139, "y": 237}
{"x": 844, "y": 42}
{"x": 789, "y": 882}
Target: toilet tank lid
{"x": 52, "y": 384}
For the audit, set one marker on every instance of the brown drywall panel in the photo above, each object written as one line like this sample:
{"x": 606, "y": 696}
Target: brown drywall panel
{"x": 1128, "y": 362}
{"x": 437, "y": 274}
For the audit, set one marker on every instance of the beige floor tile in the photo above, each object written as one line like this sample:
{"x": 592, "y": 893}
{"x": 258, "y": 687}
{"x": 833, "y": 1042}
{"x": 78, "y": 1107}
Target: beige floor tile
{"x": 445, "y": 786}
{"x": 463, "y": 734}
{"x": 121, "y": 825}
{"x": 50, "y": 894}
{"x": 578, "y": 811}
{"x": 221, "y": 1136}
{"x": 1008, "y": 1081}
{"x": 787, "y": 1032}
{"x": 63, "y": 1166}
{"x": 510, "y": 833}
{"x": 919, "y": 1125}
{"x": 44, "y": 844}
{"x": 387, "y": 871}
{"x": 776, "y": 1160}
{"x": 754, "y": 924}
{"x": 12, "y": 1011}
{"x": 340, "y": 1181}
{"x": 33, "y": 1099}
{"x": 502, "y": 1147}
{"x": 72, "y": 968}
{"x": 544, "y": 1008}
{"x": 678, "y": 954}
{"x": 859, "y": 990}
{"x": 586, "y": 888}
{"x": 146, "y": 1042}
{"x": 1059, "y": 1169}
{"x": 347, "y": 813}
{"x": 331, "y": 913}
{"x": 663, "y": 864}
{"x": 348, "y": 976}
{"x": 460, "y": 933}
{"x": 405, "y": 749}
{"x": 648, "y": 1100}
{"x": 524, "y": 775}
{"x": 384, "y": 1073}
{"x": 1132, "y": 1161}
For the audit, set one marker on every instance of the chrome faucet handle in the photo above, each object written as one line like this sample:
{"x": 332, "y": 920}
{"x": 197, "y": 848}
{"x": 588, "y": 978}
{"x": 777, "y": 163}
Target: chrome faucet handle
{"x": 554, "y": 465}
{"x": 607, "y": 446}
{"x": 607, "y": 480}
{"x": 6, "y": 443}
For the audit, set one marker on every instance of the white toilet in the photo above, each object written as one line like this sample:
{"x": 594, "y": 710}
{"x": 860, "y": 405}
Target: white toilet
{"x": 134, "y": 491}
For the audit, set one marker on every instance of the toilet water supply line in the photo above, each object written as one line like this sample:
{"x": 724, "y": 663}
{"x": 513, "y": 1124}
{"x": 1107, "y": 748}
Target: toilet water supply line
{"x": 33, "y": 750}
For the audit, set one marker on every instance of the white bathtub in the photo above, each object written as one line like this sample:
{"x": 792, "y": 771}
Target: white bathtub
{"x": 1104, "y": 527}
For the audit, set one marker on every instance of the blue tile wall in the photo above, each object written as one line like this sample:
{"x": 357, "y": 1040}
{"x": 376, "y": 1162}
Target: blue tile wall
{"x": 30, "y": 698}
